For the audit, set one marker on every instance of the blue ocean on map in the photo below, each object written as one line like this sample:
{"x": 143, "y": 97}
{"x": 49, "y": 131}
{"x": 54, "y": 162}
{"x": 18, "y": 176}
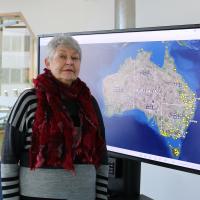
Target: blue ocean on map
{"x": 132, "y": 129}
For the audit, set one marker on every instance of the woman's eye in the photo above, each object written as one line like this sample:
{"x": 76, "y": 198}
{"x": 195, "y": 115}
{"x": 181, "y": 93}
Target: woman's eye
{"x": 75, "y": 58}
{"x": 63, "y": 57}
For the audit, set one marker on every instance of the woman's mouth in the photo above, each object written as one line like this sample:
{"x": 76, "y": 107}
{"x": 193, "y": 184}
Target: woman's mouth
{"x": 68, "y": 70}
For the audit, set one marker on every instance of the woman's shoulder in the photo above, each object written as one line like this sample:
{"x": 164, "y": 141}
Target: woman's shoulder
{"x": 26, "y": 96}
{"x": 26, "y": 100}
{"x": 94, "y": 100}
{"x": 28, "y": 91}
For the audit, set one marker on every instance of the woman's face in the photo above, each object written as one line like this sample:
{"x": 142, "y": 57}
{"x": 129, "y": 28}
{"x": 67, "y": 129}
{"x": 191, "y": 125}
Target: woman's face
{"x": 64, "y": 64}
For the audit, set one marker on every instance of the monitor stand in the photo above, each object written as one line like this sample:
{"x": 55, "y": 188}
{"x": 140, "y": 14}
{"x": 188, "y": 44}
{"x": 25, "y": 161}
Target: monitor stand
{"x": 141, "y": 197}
{"x": 126, "y": 184}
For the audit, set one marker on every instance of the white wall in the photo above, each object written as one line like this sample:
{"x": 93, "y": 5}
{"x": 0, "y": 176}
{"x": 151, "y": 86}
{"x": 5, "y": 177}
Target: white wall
{"x": 162, "y": 183}
{"x": 167, "y": 12}
{"x": 50, "y": 16}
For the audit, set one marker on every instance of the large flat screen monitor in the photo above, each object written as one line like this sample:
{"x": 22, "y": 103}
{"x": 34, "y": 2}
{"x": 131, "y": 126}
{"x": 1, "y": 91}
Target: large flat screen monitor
{"x": 147, "y": 84}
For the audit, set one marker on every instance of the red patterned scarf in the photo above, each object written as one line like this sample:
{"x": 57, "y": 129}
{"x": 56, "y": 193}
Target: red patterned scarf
{"x": 53, "y": 129}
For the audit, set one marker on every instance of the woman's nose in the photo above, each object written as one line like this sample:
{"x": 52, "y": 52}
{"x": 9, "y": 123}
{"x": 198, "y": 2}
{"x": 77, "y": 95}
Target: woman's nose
{"x": 69, "y": 61}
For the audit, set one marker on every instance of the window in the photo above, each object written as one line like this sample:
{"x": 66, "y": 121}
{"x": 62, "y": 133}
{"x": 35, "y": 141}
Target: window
{"x": 16, "y": 62}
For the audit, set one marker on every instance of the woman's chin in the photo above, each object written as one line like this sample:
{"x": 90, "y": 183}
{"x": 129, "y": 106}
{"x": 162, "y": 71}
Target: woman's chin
{"x": 67, "y": 81}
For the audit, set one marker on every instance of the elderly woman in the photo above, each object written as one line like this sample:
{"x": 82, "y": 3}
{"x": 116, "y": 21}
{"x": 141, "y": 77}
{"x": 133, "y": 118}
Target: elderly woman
{"x": 54, "y": 145}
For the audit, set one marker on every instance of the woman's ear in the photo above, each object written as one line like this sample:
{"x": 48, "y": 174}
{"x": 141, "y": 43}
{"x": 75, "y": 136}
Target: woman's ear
{"x": 47, "y": 63}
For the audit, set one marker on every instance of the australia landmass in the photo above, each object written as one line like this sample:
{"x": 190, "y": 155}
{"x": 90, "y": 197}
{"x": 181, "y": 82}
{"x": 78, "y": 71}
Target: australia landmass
{"x": 160, "y": 92}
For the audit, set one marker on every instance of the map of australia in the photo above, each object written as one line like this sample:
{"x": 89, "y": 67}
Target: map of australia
{"x": 160, "y": 92}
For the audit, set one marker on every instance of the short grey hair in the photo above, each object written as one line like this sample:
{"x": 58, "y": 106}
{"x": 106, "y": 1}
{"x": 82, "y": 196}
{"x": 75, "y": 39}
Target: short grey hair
{"x": 64, "y": 40}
